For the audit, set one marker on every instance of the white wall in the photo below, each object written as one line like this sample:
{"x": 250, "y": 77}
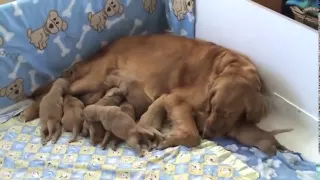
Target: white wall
{"x": 285, "y": 51}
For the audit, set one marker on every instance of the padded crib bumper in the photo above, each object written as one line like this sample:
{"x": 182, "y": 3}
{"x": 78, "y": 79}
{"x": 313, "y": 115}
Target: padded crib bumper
{"x": 41, "y": 38}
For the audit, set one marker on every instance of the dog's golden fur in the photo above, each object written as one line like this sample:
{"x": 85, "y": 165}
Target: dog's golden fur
{"x": 188, "y": 71}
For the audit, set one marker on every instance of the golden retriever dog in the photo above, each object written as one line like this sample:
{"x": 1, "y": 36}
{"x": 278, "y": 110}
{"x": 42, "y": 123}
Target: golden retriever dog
{"x": 186, "y": 70}
{"x": 51, "y": 111}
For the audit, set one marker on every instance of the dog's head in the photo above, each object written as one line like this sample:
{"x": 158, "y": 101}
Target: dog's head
{"x": 54, "y": 23}
{"x": 113, "y": 7}
{"x": 231, "y": 98}
{"x": 190, "y": 5}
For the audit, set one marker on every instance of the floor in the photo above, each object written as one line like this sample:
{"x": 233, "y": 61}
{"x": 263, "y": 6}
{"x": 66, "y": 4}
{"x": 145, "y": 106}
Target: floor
{"x": 304, "y": 137}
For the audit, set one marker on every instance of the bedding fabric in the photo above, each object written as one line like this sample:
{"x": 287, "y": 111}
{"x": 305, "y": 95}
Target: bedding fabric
{"x": 284, "y": 166}
{"x": 23, "y": 157}
{"x": 41, "y": 38}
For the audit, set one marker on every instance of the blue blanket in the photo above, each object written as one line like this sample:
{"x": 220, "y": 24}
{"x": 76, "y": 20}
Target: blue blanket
{"x": 41, "y": 38}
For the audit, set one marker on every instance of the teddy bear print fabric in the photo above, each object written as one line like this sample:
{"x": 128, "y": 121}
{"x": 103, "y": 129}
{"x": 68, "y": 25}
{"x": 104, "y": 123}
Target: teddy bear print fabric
{"x": 41, "y": 38}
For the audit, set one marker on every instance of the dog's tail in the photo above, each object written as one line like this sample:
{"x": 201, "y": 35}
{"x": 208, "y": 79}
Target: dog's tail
{"x": 279, "y": 131}
{"x": 89, "y": 16}
{"x": 29, "y": 32}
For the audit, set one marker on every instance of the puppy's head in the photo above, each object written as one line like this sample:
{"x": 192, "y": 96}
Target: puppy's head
{"x": 62, "y": 84}
{"x": 54, "y": 23}
{"x": 113, "y": 7}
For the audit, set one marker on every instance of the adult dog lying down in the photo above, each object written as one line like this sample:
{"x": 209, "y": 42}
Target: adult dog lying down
{"x": 196, "y": 76}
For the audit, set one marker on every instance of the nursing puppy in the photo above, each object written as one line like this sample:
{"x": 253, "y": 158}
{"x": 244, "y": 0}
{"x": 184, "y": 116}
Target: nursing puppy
{"x": 115, "y": 141}
{"x": 251, "y": 135}
{"x": 154, "y": 117}
{"x": 94, "y": 130}
{"x": 132, "y": 90}
{"x": 72, "y": 120}
{"x": 51, "y": 111}
{"x": 117, "y": 122}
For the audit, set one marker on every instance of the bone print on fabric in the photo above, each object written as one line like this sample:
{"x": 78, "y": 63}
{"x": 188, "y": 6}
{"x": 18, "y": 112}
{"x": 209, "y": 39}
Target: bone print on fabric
{"x": 98, "y": 20}
{"x": 40, "y": 39}
{"x": 53, "y": 25}
{"x": 13, "y": 91}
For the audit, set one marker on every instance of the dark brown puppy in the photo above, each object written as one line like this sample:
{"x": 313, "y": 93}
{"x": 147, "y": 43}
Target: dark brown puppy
{"x": 251, "y": 135}
{"x": 178, "y": 66}
{"x": 72, "y": 120}
{"x": 117, "y": 122}
{"x": 132, "y": 89}
{"x": 95, "y": 129}
{"x": 51, "y": 111}
{"x": 115, "y": 141}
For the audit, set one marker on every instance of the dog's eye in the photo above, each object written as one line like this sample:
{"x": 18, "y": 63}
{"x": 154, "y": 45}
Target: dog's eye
{"x": 54, "y": 19}
{"x": 112, "y": 2}
{"x": 15, "y": 85}
{"x": 114, "y": 6}
{"x": 57, "y": 22}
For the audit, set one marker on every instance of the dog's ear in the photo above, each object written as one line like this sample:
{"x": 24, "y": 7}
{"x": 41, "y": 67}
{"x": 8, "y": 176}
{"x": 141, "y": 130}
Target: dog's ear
{"x": 121, "y": 9}
{"x": 256, "y": 107}
{"x": 64, "y": 25}
{"x": 53, "y": 14}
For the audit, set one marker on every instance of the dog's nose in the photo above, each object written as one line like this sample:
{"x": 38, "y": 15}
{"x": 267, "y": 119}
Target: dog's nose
{"x": 51, "y": 25}
{"x": 108, "y": 9}
{"x": 189, "y": 3}
{"x": 16, "y": 91}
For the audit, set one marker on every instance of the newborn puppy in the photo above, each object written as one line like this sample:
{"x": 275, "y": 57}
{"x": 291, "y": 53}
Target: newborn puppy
{"x": 72, "y": 120}
{"x": 94, "y": 130}
{"x": 113, "y": 97}
{"x": 51, "y": 111}
{"x": 117, "y": 122}
{"x": 251, "y": 135}
{"x": 133, "y": 91}
{"x": 154, "y": 119}
{"x": 126, "y": 108}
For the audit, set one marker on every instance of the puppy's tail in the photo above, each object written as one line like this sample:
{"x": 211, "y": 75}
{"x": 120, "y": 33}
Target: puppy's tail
{"x": 279, "y": 131}
{"x": 256, "y": 107}
{"x": 89, "y": 16}
{"x": 29, "y": 32}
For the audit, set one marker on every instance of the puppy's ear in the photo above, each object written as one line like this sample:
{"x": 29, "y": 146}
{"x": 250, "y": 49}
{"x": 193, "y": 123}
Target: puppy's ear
{"x": 121, "y": 9}
{"x": 64, "y": 25}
